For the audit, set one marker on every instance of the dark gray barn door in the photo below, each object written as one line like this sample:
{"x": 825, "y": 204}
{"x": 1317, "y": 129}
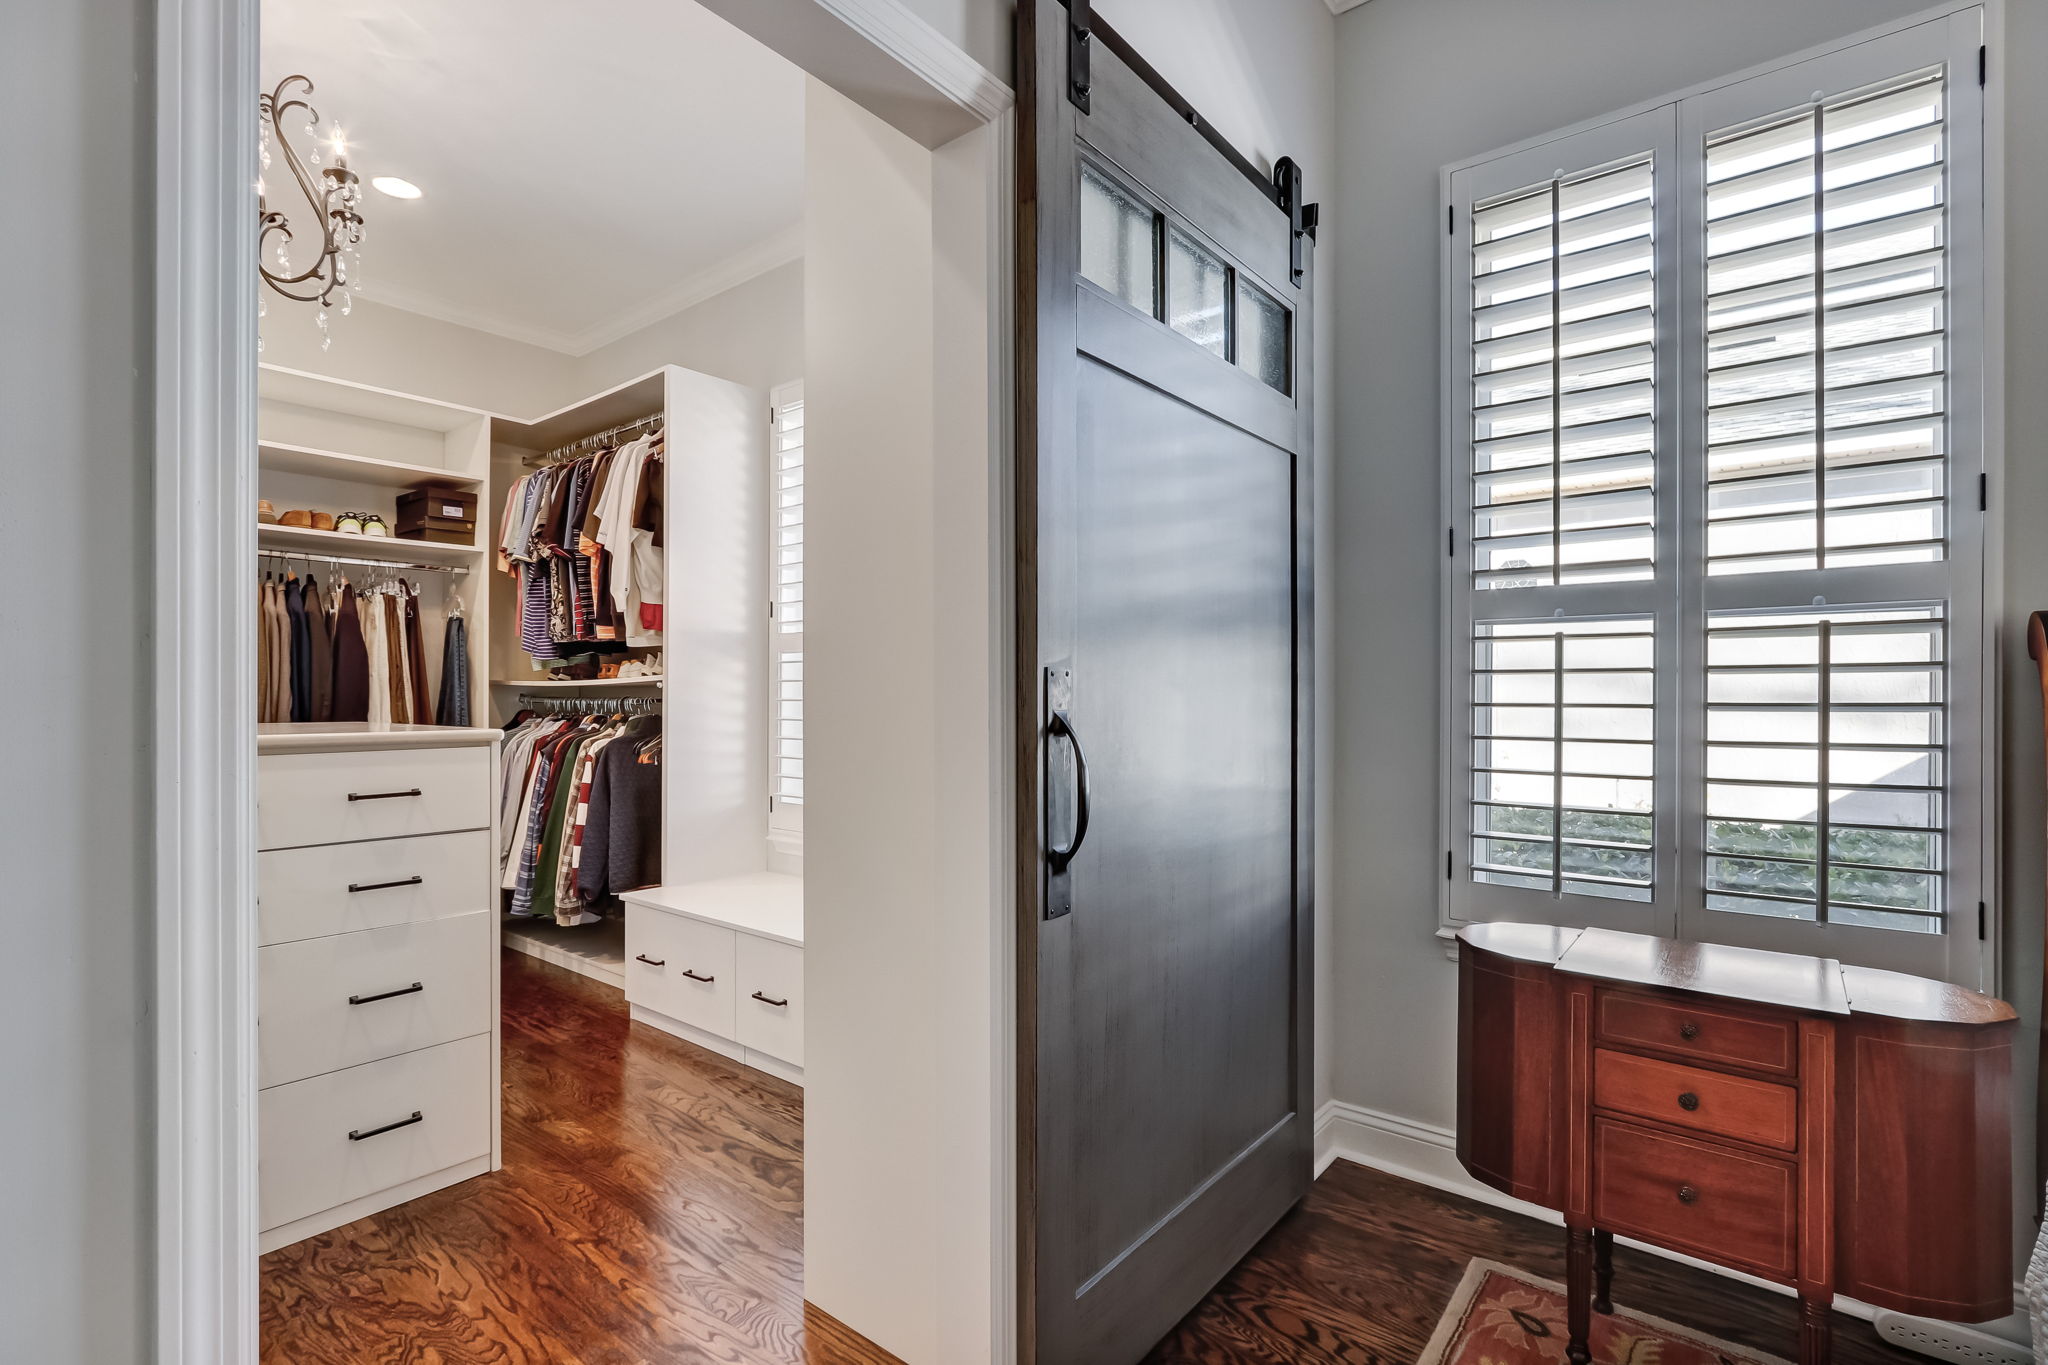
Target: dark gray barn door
{"x": 1164, "y": 710}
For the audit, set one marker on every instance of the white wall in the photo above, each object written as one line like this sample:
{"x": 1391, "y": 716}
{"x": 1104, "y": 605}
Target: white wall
{"x": 872, "y": 1144}
{"x": 752, "y": 333}
{"x": 1428, "y": 82}
{"x": 76, "y": 1129}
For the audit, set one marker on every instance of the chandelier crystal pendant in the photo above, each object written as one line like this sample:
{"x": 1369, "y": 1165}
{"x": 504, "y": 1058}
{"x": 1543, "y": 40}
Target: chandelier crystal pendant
{"x": 333, "y": 195}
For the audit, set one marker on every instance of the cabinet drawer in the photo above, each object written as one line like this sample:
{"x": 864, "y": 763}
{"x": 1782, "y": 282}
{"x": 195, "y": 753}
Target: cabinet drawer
{"x": 682, "y": 968}
{"x": 1708, "y": 1031}
{"x": 1716, "y": 1203}
{"x": 771, "y": 1003}
{"x": 1762, "y": 1112}
{"x": 435, "y": 980}
{"x": 310, "y": 1163}
{"x": 341, "y": 888}
{"x": 373, "y": 794}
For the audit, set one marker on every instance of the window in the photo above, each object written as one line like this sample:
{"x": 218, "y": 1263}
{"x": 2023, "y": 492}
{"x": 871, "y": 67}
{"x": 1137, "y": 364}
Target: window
{"x": 1716, "y": 642}
{"x": 1150, "y": 262}
{"x": 786, "y": 631}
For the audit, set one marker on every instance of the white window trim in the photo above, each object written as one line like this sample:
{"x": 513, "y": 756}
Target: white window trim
{"x": 785, "y": 819}
{"x": 1973, "y": 962}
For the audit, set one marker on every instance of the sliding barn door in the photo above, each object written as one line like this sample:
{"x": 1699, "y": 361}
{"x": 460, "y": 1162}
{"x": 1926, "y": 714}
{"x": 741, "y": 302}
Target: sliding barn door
{"x": 1164, "y": 592}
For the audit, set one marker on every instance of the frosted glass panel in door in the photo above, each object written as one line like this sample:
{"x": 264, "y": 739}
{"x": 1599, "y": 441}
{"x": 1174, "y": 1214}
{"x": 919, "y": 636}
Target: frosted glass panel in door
{"x": 1119, "y": 242}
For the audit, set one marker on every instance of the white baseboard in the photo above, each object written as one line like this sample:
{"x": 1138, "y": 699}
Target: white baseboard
{"x": 1428, "y": 1155}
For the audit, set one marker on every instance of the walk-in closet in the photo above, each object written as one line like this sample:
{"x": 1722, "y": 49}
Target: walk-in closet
{"x": 529, "y": 606}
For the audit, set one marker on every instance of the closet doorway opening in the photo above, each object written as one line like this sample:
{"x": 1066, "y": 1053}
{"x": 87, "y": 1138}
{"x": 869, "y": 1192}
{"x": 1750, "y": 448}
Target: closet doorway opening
{"x": 591, "y": 494}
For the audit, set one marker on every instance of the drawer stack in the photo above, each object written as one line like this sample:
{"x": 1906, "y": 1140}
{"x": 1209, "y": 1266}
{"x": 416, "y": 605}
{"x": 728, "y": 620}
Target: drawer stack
{"x": 376, "y": 979}
{"x": 722, "y": 965}
{"x": 1696, "y": 1128}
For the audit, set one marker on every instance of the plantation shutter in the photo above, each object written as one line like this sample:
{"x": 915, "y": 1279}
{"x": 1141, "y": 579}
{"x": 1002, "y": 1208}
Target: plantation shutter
{"x": 1713, "y": 452}
{"x": 1562, "y": 428}
{"x": 1833, "y": 627}
{"x": 786, "y": 639}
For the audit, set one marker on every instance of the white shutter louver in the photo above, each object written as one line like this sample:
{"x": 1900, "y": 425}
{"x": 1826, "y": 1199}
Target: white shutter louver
{"x": 1826, "y": 236}
{"x": 1563, "y": 372}
{"x": 1563, "y": 756}
{"x": 786, "y": 642}
{"x": 1826, "y": 765}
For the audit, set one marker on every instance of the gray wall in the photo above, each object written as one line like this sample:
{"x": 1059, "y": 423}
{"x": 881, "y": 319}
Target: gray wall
{"x": 1428, "y": 82}
{"x": 75, "y": 1133}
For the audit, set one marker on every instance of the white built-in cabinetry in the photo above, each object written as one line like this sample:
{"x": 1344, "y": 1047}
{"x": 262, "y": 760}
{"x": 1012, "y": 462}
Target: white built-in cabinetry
{"x": 377, "y": 969}
{"x": 721, "y": 963}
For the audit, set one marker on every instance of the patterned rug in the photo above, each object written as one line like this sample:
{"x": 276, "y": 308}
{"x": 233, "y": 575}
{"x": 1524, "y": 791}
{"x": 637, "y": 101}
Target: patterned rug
{"x": 1503, "y": 1316}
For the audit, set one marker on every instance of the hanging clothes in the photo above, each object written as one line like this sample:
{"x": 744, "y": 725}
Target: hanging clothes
{"x": 422, "y": 710}
{"x": 351, "y": 684}
{"x": 549, "y": 816}
{"x": 301, "y": 644}
{"x": 582, "y": 541}
{"x": 319, "y": 654}
{"x": 452, "y": 706}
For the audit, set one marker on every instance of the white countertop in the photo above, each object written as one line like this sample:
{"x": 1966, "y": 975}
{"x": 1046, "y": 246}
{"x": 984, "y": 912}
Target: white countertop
{"x": 765, "y": 904}
{"x": 317, "y": 737}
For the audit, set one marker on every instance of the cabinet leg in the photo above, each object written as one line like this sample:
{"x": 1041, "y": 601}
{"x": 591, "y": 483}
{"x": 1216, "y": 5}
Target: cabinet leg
{"x": 1578, "y": 1295}
{"x": 1603, "y": 1271}
{"x": 1816, "y": 1332}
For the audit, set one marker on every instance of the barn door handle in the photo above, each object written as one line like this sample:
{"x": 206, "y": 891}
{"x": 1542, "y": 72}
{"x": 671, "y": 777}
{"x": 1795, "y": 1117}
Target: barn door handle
{"x": 1061, "y": 857}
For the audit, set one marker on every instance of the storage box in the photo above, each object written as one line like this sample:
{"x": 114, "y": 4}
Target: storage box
{"x": 446, "y": 516}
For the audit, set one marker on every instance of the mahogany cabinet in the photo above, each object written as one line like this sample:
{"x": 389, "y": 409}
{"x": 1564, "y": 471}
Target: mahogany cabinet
{"x": 1831, "y": 1128}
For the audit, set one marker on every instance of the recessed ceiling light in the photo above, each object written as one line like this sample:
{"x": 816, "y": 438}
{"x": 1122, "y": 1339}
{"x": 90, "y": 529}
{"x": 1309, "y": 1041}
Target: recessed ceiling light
{"x": 396, "y": 188}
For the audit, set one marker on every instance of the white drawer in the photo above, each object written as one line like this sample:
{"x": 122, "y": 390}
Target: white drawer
{"x": 308, "y": 1160}
{"x": 771, "y": 972}
{"x": 370, "y": 794}
{"x": 342, "y": 888}
{"x": 682, "y": 968}
{"x": 435, "y": 980}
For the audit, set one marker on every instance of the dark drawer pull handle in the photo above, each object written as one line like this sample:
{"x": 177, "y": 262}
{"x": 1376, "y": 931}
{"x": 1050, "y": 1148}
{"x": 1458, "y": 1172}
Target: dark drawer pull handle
{"x": 1686, "y": 1194}
{"x": 381, "y": 796}
{"x": 650, "y": 961}
{"x": 1688, "y": 1030}
{"x": 357, "y": 1135}
{"x": 1688, "y": 1101}
{"x": 694, "y": 977}
{"x": 779, "y": 1004}
{"x": 414, "y": 989}
{"x": 354, "y": 887}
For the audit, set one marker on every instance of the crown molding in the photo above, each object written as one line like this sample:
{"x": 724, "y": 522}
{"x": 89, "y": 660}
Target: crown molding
{"x": 1340, "y": 6}
{"x": 769, "y": 254}
{"x": 904, "y": 34}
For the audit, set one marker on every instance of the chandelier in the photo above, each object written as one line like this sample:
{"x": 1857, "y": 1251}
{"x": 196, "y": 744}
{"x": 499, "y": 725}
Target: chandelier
{"x": 333, "y": 196}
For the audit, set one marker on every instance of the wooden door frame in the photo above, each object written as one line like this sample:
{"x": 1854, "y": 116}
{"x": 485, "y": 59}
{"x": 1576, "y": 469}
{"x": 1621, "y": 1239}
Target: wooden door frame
{"x": 204, "y": 1256}
{"x": 1028, "y": 684}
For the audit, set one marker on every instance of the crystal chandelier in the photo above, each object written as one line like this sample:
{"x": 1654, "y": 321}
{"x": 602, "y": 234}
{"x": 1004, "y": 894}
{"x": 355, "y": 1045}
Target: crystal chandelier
{"x": 332, "y": 193}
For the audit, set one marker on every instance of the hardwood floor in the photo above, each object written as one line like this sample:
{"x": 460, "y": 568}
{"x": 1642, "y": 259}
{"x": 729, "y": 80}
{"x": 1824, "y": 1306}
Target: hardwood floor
{"x": 1360, "y": 1272}
{"x": 650, "y": 1209}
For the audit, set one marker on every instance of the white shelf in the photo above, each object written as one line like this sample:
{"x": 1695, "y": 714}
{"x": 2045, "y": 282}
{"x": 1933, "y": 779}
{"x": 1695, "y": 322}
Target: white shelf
{"x": 576, "y": 684}
{"x": 305, "y": 540}
{"x": 765, "y": 904}
{"x": 335, "y": 464}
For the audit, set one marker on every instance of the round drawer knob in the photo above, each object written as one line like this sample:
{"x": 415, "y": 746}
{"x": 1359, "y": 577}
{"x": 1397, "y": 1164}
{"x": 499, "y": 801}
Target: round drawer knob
{"x": 1686, "y": 1194}
{"x": 1688, "y": 1030}
{"x": 1688, "y": 1101}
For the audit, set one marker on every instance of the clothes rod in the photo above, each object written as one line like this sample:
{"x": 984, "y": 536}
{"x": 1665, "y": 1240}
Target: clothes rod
{"x": 595, "y": 705}
{"x": 600, "y": 439}
{"x": 289, "y": 555}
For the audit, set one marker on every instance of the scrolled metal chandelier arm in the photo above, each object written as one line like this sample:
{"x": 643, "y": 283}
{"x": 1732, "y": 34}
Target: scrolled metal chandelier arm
{"x": 333, "y": 196}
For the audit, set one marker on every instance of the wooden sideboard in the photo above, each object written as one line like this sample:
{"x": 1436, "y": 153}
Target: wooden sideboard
{"x": 1827, "y": 1127}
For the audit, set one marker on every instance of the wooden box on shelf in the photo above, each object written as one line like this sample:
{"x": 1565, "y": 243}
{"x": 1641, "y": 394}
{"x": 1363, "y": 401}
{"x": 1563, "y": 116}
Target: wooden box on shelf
{"x": 444, "y": 515}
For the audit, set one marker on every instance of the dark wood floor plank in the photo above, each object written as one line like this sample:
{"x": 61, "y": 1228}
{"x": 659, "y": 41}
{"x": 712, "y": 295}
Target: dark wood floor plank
{"x": 1361, "y": 1271}
{"x": 650, "y": 1210}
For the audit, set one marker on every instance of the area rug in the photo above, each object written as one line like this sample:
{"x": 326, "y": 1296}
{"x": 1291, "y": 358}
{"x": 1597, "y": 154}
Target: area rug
{"x": 1502, "y": 1316}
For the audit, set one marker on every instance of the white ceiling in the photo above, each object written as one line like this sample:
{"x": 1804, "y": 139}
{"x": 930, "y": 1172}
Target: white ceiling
{"x": 589, "y": 166}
